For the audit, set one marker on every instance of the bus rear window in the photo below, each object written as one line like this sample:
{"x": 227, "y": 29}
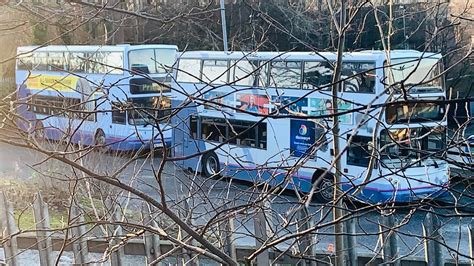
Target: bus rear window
{"x": 25, "y": 62}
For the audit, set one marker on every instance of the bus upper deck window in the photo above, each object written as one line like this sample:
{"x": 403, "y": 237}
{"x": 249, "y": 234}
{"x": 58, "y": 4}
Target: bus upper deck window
{"x": 114, "y": 62}
{"x": 189, "y": 70}
{"x": 157, "y": 60}
{"x": 245, "y": 73}
{"x": 215, "y": 71}
{"x": 358, "y": 77}
{"x": 56, "y": 61}
{"x": 421, "y": 73}
{"x": 317, "y": 75}
{"x": 165, "y": 59}
{"x": 25, "y": 62}
{"x": 284, "y": 74}
{"x": 144, "y": 57}
{"x": 77, "y": 63}
{"x": 40, "y": 61}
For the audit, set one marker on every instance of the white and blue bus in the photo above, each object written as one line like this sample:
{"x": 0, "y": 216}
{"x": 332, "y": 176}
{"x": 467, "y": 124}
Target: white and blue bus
{"x": 265, "y": 117}
{"x": 116, "y": 97}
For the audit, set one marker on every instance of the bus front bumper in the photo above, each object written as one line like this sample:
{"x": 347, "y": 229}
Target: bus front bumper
{"x": 411, "y": 185}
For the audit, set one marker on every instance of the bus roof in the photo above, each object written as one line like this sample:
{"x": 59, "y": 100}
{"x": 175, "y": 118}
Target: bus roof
{"x": 368, "y": 55}
{"x": 93, "y": 48}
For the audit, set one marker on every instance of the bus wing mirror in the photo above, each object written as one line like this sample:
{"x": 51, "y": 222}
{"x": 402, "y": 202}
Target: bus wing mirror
{"x": 370, "y": 146}
{"x": 470, "y": 139}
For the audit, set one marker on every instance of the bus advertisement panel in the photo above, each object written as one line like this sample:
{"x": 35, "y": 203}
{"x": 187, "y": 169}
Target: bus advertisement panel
{"x": 302, "y": 137}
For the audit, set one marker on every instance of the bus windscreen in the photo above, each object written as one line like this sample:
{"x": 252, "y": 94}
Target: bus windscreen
{"x": 414, "y": 72}
{"x": 152, "y": 61}
{"x": 406, "y": 147}
{"x": 414, "y": 112}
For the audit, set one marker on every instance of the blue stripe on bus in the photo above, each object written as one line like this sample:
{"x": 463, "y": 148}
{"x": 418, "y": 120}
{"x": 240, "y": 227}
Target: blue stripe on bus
{"x": 303, "y": 183}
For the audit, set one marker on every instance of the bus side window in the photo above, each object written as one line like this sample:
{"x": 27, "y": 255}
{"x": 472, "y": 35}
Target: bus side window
{"x": 75, "y": 106}
{"x": 262, "y": 135}
{"x": 114, "y": 63}
{"x": 243, "y": 135}
{"x": 285, "y": 74}
{"x": 215, "y": 71}
{"x": 164, "y": 106}
{"x": 63, "y": 106}
{"x": 317, "y": 74}
{"x": 77, "y": 62}
{"x": 94, "y": 63}
{"x": 263, "y": 74}
{"x": 244, "y": 73}
{"x": 193, "y": 127}
{"x": 214, "y": 129}
{"x": 255, "y": 137}
{"x": 118, "y": 114}
{"x": 56, "y": 61}
{"x": 362, "y": 77}
{"x": 89, "y": 108}
{"x": 359, "y": 152}
{"x": 189, "y": 70}
{"x": 37, "y": 105}
{"x": 40, "y": 61}
{"x": 25, "y": 62}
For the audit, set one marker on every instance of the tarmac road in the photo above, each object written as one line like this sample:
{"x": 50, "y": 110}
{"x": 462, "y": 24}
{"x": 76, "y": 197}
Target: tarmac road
{"x": 209, "y": 194}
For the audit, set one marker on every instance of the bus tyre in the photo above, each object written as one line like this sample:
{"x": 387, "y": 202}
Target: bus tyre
{"x": 324, "y": 192}
{"x": 100, "y": 140}
{"x": 210, "y": 164}
{"x": 38, "y": 133}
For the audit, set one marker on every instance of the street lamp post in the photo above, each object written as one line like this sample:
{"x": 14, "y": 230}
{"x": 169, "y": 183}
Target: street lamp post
{"x": 224, "y": 26}
{"x": 405, "y": 42}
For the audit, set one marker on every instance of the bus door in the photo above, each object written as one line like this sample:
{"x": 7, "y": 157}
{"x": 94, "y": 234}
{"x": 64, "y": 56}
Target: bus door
{"x": 185, "y": 136}
{"x": 115, "y": 122}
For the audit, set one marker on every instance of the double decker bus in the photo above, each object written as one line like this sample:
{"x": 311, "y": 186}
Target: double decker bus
{"x": 116, "y": 97}
{"x": 266, "y": 117}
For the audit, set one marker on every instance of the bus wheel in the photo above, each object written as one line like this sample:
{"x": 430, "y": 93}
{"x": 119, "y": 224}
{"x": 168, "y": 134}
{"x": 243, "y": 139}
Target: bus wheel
{"x": 100, "y": 141}
{"x": 38, "y": 133}
{"x": 210, "y": 164}
{"x": 325, "y": 188}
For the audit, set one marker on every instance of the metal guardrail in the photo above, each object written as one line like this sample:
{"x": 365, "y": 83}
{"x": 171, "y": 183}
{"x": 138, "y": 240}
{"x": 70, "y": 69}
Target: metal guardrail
{"x": 81, "y": 241}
